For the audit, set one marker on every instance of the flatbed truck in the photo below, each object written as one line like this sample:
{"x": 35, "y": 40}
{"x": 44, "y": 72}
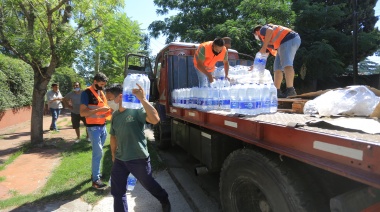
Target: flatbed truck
{"x": 269, "y": 162}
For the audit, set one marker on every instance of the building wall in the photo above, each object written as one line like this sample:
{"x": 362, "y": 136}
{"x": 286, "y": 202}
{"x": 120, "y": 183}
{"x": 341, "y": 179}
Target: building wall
{"x": 15, "y": 116}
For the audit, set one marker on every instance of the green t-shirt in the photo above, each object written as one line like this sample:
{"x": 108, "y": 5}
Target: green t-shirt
{"x": 128, "y": 127}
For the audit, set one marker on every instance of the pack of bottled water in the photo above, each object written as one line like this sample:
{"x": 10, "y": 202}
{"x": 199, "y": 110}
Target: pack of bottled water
{"x": 250, "y": 91}
{"x": 129, "y": 99}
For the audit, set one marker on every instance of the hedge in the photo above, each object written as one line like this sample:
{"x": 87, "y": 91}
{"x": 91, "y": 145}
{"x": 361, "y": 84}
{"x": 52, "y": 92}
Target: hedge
{"x": 16, "y": 83}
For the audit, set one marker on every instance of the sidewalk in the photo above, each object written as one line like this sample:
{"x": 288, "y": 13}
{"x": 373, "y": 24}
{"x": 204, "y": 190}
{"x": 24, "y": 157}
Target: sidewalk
{"x": 184, "y": 194}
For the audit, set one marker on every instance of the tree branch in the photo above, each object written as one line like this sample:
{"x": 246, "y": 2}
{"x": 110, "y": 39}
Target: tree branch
{"x": 59, "y": 5}
{"x": 90, "y": 31}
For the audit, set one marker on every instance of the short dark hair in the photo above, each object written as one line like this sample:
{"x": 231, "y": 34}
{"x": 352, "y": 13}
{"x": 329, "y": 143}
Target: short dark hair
{"x": 115, "y": 89}
{"x": 257, "y": 28}
{"x": 100, "y": 77}
{"x": 54, "y": 84}
{"x": 76, "y": 83}
{"x": 218, "y": 41}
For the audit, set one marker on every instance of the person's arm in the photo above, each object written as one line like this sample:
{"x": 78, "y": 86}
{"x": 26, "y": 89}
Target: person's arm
{"x": 84, "y": 110}
{"x": 226, "y": 66}
{"x": 151, "y": 113}
{"x": 268, "y": 37}
{"x": 66, "y": 101}
{"x": 113, "y": 145}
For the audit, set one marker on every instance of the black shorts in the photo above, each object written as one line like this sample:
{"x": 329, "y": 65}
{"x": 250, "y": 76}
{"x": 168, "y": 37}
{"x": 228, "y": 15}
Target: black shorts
{"x": 75, "y": 120}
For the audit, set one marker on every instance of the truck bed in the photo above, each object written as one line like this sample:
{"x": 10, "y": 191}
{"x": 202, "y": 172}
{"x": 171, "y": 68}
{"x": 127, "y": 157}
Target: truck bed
{"x": 348, "y": 153}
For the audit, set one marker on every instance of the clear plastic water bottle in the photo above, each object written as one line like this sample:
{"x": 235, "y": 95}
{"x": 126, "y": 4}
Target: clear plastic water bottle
{"x": 193, "y": 97}
{"x": 251, "y": 108}
{"x": 265, "y": 98}
{"x": 147, "y": 86}
{"x": 215, "y": 98}
{"x": 273, "y": 98}
{"x": 260, "y": 61}
{"x": 234, "y": 94}
{"x": 187, "y": 98}
{"x": 224, "y": 98}
{"x": 180, "y": 97}
{"x": 209, "y": 97}
{"x": 131, "y": 182}
{"x": 130, "y": 100}
{"x": 202, "y": 92}
{"x": 257, "y": 98}
{"x": 259, "y": 65}
{"x": 244, "y": 104}
{"x": 127, "y": 91}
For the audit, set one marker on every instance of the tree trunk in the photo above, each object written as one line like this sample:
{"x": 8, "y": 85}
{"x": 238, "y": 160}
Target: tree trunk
{"x": 38, "y": 102}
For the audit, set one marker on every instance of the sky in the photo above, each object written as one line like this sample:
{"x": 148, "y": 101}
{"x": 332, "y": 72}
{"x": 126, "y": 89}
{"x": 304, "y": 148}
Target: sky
{"x": 144, "y": 12}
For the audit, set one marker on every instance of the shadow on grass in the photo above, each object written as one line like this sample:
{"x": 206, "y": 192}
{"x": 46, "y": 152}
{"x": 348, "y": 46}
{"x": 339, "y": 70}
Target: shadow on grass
{"x": 52, "y": 196}
{"x": 62, "y": 197}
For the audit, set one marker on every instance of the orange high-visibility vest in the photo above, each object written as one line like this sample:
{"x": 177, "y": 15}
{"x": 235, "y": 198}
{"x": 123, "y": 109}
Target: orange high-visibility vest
{"x": 210, "y": 57}
{"x": 99, "y": 117}
{"x": 279, "y": 33}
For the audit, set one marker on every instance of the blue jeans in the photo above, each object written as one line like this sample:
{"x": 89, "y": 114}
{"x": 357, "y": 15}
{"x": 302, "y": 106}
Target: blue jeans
{"x": 54, "y": 116}
{"x": 142, "y": 170}
{"x": 202, "y": 79}
{"x": 98, "y": 135}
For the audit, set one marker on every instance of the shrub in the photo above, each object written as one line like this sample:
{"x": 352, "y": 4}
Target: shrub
{"x": 16, "y": 84}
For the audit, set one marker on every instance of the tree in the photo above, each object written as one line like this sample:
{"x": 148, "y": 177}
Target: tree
{"x": 65, "y": 77}
{"x": 105, "y": 51}
{"x": 200, "y": 20}
{"x": 326, "y": 31}
{"x": 40, "y": 34}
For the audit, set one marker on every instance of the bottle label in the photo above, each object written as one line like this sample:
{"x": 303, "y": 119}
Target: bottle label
{"x": 246, "y": 105}
{"x": 225, "y": 102}
{"x": 266, "y": 103}
{"x": 234, "y": 105}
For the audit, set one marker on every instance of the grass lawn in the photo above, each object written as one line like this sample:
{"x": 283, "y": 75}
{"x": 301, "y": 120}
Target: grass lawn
{"x": 71, "y": 179}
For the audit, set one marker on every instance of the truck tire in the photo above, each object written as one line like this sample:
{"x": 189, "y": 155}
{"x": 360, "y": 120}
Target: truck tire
{"x": 162, "y": 136}
{"x": 257, "y": 181}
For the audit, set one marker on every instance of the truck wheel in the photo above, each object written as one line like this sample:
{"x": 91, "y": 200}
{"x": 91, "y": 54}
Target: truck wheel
{"x": 162, "y": 135}
{"x": 254, "y": 181}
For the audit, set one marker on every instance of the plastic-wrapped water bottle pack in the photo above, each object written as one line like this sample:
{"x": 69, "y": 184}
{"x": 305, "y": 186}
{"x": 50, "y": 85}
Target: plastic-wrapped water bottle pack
{"x": 129, "y": 100}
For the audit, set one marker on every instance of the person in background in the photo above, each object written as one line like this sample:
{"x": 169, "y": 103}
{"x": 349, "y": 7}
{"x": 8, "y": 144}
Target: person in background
{"x": 205, "y": 58}
{"x": 72, "y": 101}
{"x": 227, "y": 42}
{"x": 54, "y": 98}
{"x": 94, "y": 108}
{"x": 282, "y": 43}
{"x": 129, "y": 147}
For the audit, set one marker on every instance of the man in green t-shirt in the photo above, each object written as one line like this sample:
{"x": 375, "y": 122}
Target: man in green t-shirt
{"x": 129, "y": 147}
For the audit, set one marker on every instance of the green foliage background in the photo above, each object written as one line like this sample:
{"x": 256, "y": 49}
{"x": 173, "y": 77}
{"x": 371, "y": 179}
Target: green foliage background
{"x": 16, "y": 84}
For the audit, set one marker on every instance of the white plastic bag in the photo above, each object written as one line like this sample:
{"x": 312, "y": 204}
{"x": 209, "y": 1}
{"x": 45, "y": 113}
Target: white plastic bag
{"x": 352, "y": 100}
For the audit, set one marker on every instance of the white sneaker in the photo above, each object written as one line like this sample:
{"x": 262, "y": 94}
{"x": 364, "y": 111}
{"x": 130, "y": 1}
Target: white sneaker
{"x": 77, "y": 141}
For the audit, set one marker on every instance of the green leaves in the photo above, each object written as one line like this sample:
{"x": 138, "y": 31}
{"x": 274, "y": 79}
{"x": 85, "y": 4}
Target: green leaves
{"x": 200, "y": 21}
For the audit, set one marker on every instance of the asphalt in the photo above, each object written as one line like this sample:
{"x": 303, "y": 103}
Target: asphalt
{"x": 185, "y": 194}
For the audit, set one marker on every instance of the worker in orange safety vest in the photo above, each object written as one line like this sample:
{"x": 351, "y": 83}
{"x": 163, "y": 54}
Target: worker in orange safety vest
{"x": 205, "y": 58}
{"x": 282, "y": 43}
{"x": 95, "y": 109}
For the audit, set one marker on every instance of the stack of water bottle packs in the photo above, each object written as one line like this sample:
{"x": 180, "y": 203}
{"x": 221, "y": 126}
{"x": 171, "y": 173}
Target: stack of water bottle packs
{"x": 247, "y": 92}
{"x": 129, "y": 100}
